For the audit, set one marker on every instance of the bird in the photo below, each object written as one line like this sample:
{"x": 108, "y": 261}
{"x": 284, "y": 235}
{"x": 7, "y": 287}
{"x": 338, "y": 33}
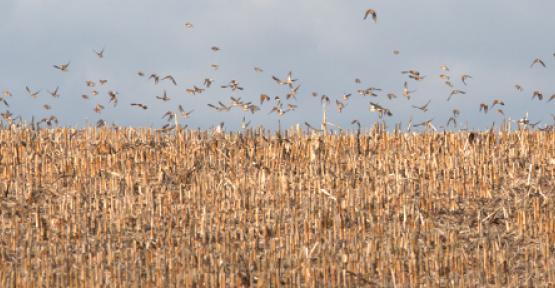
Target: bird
{"x": 155, "y": 77}
{"x": 293, "y": 92}
{"x": 396, "y": 52}
{"x": 32, "y": 94}
{"x": 170, "y": 115}
{"x": 391, "y": 95}
{"x": 195, "y": 90}
{"x": 90, "y": 83}
{"x": 518, "y": 88}
{"x": 500, "y": 111}
{"x": 452, "y": 120}
{"x": 189, "y": 25}
{"x": 208, "y": 82}
{"x": 62, "y": 67}
{"x": 464, "y": 78}
{"x": 141, "y": 73}
{"x": 374, "y": 107}
{"x": 537, "y": 61}
{"x": 456, "y": 113}
{"x": 258, "y": 70}
{"x": 46, "y": 107}
{"x": 346, "y": 96}
{"x": 221, "y": 107}
{"x": 234, "y": 85}
{"x": 215, "y": 48}
{"x": 406, "y": 92}
{"x": 54, "y": 93}
{"x": 102, "y": 82}
{"x": 184, "y": 114}
{"x": 484, "y": 107}
{"x": 444, "y": 68}
{"x": 340, "y": 106}
{"x": 551, "y": 98}
{"x": 264, "y": 98}
{"x": 497, "y": 101}
{"x": 444, "y": 77}
{"x": 99, "y": 54}
{"x": 142, "y": 106}
{"x": 215, "y": 66}
{"x": 98, "y": 108}
{"x": 427, "y": 124}
{"x": 538, "y": 94}
{"x": 113, "y": 97}
{"x": 424, "y": 108}
{"x": 170, "y": 77}
{"x": 164, "y": 97}
{"x": 7, "y": 93}
{"x": 371, "y": 12}
{"x": 455, "y": 92}
{"x": 357, "y": 81}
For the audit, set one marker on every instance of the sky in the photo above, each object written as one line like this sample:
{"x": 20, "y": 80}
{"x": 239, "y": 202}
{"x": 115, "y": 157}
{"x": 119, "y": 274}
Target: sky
{"x": 326, "y": 45}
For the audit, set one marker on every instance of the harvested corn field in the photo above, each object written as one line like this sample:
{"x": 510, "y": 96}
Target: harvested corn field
{"x": 143, "y": 208}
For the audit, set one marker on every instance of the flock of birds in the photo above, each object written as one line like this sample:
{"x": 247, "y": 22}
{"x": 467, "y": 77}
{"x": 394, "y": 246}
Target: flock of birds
{"x": 281, "y": 105}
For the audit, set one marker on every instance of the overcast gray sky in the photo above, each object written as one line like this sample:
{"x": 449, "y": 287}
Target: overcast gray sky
{"x": 325, "y": 43}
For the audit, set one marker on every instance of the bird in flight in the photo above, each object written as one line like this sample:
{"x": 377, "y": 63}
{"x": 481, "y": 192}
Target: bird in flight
{"x": 264, "y": 98}
{"x": 424, "y": 108}
{"x": 215, "y": 48}
{"x": 537, "y": 61}
{"x": 54, "y": 93}
{"x": 155, "y": 77}
{"x": 484, "y": 107}
{"x": 62, "y": 67}
{"x": 538, "y": 94}
{"x": 99, "y": 54}
{"x": 184, "y": 114}
{"x": 32, "y": 94}
{"x": 142, "y": 106}
{"x": 164, "y": 97}
{"x": 258, "y": 70}
{"x": 189, "y": 25}
{"x": 170, "y": 77}
{"x": 374, "y": 107}
{"x": 371, "y": 12}
{"x": 455, "y": 92}
{"x": 464, "y": 78}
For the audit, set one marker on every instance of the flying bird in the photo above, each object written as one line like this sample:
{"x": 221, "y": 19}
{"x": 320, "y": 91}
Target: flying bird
{"x": 155, "y": 77}
{"x": 62, "y": 67}
{"x": 54, "y": 93}
{"x": 424, "y": 108}
{"x": 32, "y": 94}
{"x": 464, "y": 78}
{"x": 264, "y": 98}
{"x": 538, "y": 94}
{"x": 537, "y": 61}
{"x": 258, "y": 70}
{"x": 142, "y": 106}
{"x": 170, "y": 77}
{"x": 184, "y": 114}
{"x": 374, "y": 107}
{"x": 164, "y": 97}
{"x": 484, "y": 107}
{"x": 371, "y": 12}
{"x": 455, "y": 92}
{"x": 99, "y": 54}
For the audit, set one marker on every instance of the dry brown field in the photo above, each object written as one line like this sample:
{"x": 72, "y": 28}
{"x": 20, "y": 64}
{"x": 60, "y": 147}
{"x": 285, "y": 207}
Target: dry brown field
{"x": 145, "y": 208}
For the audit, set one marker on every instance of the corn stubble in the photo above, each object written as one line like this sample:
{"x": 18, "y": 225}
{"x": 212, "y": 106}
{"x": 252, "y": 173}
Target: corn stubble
{"x": 140, "y": 207}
